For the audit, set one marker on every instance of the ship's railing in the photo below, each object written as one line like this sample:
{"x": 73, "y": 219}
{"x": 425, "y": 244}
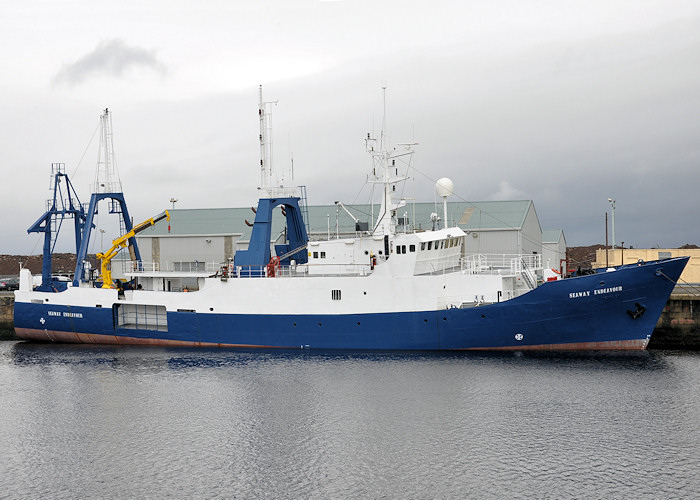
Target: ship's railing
{"x": 140, "y": 267}
{"x": 444, "y": 265}
{"x": 498, "y": 263}
{"x": 297, "y": 271}
{"x": 173, "y": 267}
{"x": 474, "y": 264}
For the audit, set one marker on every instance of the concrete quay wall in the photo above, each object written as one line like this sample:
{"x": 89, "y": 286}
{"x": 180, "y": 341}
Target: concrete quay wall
{"x": 677, "y": 328}
{"x": 679, "y": 324}
{"x": 7, "y": 304}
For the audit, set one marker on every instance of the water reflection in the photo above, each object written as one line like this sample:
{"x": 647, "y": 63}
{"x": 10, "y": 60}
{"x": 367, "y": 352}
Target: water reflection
{"x": 182, "y": 358}
{"x": 114, "y": 422}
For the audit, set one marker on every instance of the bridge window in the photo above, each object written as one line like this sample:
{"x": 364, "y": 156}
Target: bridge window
{"x": 412, "y": 248}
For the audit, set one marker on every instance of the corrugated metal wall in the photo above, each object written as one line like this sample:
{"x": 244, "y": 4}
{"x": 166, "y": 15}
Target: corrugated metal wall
{"x": 493, "y": 242}
{"x": 531, "y": 240}
{"x": 552, "y": 253}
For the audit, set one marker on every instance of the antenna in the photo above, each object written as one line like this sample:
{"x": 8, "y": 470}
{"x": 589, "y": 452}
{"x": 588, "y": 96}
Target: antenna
{"x": 269, "y": 183}
{"x": 265, "y": 142}
{"x": 383, "y": 131}
{"x": 385, "y": 173}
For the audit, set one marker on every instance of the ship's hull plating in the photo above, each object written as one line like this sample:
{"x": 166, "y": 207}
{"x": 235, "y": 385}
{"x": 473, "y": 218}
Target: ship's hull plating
{"x": 615, "y": 310}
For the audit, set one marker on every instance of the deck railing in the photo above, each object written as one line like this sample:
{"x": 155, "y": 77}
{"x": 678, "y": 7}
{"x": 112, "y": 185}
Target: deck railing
{"x": 495, "y": 263}
{"x": 473, "y": 264}
{"x": 185, "y": 267}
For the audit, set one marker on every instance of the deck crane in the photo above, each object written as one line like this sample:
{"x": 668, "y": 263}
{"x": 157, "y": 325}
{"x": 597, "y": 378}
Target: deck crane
{"x": 122, "y": 242}
{"x": 359, "y": 226}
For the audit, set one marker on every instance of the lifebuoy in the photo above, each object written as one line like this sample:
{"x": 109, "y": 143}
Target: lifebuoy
{"x": 273, "y": 267}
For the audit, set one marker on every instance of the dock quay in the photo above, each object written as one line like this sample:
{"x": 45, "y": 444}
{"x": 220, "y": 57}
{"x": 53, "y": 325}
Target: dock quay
{"x": 679, "y": 324}
{"x": 677, "y": 328}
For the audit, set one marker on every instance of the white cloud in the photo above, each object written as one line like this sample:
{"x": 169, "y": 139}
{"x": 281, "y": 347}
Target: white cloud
{"x": 507, "y": 192}
{"x": 557, "y": 101}
{"x": 112, "y": 58}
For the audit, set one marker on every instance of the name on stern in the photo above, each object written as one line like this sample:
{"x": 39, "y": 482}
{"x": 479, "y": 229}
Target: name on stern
{"x": 65, "y": 314}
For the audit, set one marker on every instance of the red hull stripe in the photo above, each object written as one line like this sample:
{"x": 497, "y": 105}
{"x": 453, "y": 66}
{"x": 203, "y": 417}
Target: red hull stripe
{"x": 618, "y": 345}
{"x": 91, "y": 338}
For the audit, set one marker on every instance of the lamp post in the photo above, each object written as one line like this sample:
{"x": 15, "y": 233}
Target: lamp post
{"x": 173, "y": 201}
{"x": 613, "y": 221}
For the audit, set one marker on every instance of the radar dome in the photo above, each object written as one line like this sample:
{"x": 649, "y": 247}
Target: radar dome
{"x": 444, "y": 187}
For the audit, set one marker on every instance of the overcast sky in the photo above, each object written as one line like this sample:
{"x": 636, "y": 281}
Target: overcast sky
{"x": 566, "y": 103}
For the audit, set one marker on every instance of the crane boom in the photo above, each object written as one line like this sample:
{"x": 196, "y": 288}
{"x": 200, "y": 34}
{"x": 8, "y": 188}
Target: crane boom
{"x": 122, "y": 242}
{"x": 340, "y": 204}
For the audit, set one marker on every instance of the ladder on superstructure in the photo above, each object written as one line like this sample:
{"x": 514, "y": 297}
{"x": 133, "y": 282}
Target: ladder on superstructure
{"x": 527, "y": 275}
{"x": 304, "y": 205}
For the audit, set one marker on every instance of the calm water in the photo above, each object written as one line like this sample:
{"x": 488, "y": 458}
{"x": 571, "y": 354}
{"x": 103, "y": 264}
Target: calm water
{"x": 108, "y": 422}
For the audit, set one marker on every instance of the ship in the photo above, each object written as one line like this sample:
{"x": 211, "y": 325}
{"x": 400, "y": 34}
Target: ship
{"x": 384, "y": 287}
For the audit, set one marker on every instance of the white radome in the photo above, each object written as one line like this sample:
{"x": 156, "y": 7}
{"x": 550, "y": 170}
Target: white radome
{"x": 444, "y": 187}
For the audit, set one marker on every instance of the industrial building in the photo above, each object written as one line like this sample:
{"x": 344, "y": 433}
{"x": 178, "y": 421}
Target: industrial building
{"x": 619, "y": 256}
{"x": 554, "y": 249}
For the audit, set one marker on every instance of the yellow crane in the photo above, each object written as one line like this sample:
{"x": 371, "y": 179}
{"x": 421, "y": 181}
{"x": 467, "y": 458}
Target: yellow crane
{"x": 122, "y": 242}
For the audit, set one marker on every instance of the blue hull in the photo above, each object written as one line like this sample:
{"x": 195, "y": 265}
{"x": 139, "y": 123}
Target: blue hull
{"x": 616, "y": 310}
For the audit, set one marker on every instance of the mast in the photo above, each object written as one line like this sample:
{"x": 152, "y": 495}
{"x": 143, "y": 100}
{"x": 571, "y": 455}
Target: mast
{"x": 106, "y": 174}
{"x": 265, "y": 143}
{"x": 108, "y": 186}
{"x": 272, "y": 185}
{"x": 386, "y": 173}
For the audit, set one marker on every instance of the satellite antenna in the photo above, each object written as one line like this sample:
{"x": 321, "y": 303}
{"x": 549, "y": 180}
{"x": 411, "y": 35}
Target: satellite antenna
{"x": 444, "y": 187}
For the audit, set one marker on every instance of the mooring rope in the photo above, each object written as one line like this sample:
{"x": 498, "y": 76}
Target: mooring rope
{"x": 689, "y": 285}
